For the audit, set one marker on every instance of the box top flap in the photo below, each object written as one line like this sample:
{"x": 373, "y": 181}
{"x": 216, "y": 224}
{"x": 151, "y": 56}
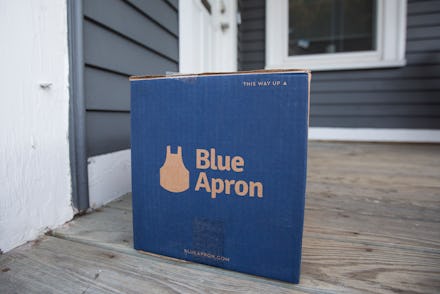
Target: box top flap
{"x": 179, "y": 75}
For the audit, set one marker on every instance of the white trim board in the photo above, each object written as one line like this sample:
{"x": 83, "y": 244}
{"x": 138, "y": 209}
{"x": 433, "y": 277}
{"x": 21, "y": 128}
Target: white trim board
{"x": 109, "y": 177}
{"x": 203, "y": 45}
{"x": 374, "y": 135}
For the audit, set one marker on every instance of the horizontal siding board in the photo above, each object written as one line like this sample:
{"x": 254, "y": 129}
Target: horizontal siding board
{"x": 375, "y": 110}
{"x": 107, "y": 132}
{"x": 139, "y": 28}
{"x": 420, "y": 7}
{"x": 104, "y": 49}
{"x": 252, "y": 4}
{"x": 256, "y": 24}
{"x": 253, "y": 36}
{"x": 417, "y": 33}
{"x": 377, "y": 85}
{"x": 416, "y": 58}
{"x": 375, "y": 122}
{"x": 257, "y": 13}
{"x": 423, "y": 45}
{"x": 257, "y": 56}
{"x": 252, "y": 46}
{"x": 396, "y": 97}
{"x": 431, "y": 19}
{"x": 173, "y": 3}
{"x": 106, "y": 90}
{"x": 415, "y": 71}
{"x": 159, "y": 11}
{"x": 252, "y": 65}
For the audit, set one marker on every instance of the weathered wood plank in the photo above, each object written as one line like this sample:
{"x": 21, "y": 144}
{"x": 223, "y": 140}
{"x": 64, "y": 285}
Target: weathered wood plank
{"x": 34, "y": 269}
{"x": 344, "y": 226}
{"x": 361, "y": 193}
{"x": 123, "y": 202}
{"x": 356, "y": 268}
{"x": 59, "y": 266}
{"x": 375, "y": 193}
{"x": 108, "y": 227}
{"x": 328, "y": 215}
{"x": 417, "y": 163}
{"x": 372, "y": 224}
{"x": 328, "y": 267}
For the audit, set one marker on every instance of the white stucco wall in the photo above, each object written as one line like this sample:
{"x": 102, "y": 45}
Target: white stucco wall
{"x": 35, "y": 187}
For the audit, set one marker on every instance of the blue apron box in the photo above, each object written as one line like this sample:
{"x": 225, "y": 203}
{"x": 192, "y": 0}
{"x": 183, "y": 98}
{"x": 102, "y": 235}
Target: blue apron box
{"x": 219, "y": 169}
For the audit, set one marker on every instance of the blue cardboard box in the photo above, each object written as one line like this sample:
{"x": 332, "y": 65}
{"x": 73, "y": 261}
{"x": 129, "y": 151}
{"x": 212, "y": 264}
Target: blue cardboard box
{"x": 219, "y": 169}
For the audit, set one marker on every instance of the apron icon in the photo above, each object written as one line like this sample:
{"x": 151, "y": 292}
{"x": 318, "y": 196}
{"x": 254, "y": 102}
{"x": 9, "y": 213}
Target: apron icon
{"x": 174, "y": 176}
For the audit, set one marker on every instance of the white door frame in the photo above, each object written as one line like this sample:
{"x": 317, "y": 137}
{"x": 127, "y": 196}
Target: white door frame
{"x": 207, "y": 42}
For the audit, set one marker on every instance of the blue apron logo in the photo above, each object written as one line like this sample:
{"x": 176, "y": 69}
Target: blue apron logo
{"x": 174, "y": 177}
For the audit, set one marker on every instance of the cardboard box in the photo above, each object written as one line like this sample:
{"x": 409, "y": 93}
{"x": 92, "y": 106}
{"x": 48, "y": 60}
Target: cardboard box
{"x": 219, "y": 169}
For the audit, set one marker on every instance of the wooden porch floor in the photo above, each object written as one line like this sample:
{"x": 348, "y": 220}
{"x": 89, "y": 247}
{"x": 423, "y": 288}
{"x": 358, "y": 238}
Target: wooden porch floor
{"x": 372, "y": 224}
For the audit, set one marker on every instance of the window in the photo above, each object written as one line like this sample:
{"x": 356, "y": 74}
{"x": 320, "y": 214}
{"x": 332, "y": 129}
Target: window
{"x": 330, "y": 26}
{"x": 335, "y": 34}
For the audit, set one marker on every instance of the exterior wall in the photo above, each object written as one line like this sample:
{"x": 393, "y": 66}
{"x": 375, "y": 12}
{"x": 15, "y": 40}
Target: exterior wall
{"x": 121, "y": 38}
{"x": 251, "y": 34}
{"x": 407, "y": 97}
{"x": 35, "y": 187}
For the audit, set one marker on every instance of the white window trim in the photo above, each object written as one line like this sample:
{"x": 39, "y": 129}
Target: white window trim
{"x": 390, "y": 41}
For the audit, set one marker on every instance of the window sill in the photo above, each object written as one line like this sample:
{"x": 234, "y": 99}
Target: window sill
{"x": 339, "y": 66}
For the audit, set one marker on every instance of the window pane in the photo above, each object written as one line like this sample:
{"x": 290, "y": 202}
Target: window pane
{"x": 329, "y": 26}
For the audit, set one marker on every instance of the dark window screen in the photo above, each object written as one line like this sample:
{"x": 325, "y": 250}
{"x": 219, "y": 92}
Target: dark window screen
{"x": 330, "y": 26}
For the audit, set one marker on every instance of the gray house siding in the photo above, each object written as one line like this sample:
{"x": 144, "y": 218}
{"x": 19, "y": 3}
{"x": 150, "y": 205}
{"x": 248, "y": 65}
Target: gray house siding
{"x": 251, "y": 34}
{"x": 404, "y": 97}
{"x": 122, "y": 38}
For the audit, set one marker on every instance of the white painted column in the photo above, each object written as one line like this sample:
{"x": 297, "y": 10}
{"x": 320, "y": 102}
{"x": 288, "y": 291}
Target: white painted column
{"x": 35, "y": 186}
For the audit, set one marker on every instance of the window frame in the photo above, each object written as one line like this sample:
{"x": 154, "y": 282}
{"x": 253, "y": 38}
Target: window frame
{"x": 390, "y": 51}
